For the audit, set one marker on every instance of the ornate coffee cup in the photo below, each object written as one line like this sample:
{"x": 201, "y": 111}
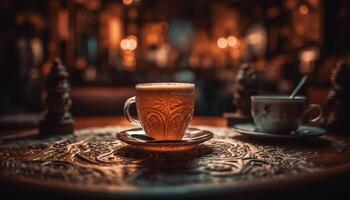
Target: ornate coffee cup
{"x": 280, "y": 114}
{"x": 164, "y": 109}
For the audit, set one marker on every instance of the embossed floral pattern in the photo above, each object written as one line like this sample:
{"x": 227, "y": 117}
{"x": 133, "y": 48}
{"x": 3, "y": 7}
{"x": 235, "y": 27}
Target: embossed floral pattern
{"x": 166, "y": 117}
{"x": 94, "y": 159}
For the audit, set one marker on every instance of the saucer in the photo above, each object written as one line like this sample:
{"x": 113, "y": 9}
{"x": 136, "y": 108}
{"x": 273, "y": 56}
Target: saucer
{"x": 137, "y": 138}
{"x": 249, "y": 129}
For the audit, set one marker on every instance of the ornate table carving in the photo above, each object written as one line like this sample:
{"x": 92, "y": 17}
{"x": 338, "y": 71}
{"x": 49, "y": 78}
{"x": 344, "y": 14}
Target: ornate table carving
{"x": 94, "y": 159}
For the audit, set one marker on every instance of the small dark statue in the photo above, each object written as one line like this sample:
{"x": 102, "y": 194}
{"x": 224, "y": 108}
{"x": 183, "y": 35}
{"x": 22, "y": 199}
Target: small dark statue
{"x": 58, "y": 119}
{"x": 338, "y": 105}
{"x": 246, "y": 85}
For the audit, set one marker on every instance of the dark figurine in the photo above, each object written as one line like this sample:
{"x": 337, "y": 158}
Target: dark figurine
{"x": 246, "y": 85}
{"x": 58, "y": 119}
{"x": 338, "y": 104}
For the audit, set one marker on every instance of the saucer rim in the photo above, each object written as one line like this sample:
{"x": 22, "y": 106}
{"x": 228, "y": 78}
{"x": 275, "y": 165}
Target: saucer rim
{"x": 262, "y": 134}
{"x": 120, "y": 137}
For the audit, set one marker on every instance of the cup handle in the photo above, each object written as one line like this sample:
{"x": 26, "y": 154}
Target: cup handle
{"x": 127, "y": 114}
{"x": 318, "y": 117}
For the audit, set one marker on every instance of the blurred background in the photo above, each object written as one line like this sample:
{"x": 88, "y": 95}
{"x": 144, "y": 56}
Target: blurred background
{"x": 108, "y": 46}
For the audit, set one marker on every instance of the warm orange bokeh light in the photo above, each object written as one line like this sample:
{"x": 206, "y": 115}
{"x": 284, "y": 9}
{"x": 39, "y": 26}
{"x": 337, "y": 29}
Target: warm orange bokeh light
{"x": 291, "y": 4}
{"x": 303, "y": 9}
{"x": 129, "y": 43}
{"x": 127, "y": 2}
{"x": 222, "y": 43}
{"x": 129, "y": 60}
{"x": 132, "y": 44}
{"x": 115, "y": 34}
{"x": 232, "y": 41}
{"x": 124, "y": 44}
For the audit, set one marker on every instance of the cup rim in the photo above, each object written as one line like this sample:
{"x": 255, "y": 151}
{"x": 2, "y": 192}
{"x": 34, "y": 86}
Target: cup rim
{"x": 165, "y": 84}
{"x": 276, "y": 98}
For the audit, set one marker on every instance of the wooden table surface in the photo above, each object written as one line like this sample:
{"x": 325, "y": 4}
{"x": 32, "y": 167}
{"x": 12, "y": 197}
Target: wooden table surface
{"x": 92, "y": 163}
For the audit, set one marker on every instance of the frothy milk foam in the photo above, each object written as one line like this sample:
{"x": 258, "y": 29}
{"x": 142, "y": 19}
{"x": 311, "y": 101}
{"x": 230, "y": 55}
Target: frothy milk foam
{"x": 165, "y": 86}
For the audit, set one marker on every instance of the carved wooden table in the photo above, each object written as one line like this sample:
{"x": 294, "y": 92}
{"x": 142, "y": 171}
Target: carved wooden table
{"x": 93, "y": 163}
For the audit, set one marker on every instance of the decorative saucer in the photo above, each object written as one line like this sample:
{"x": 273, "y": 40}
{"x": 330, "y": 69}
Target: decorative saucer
{"x": 137, "y": 138}
{"x": 249, "y": 129}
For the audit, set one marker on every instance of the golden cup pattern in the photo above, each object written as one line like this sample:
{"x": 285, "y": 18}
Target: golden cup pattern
{"x": 165, "y": 116}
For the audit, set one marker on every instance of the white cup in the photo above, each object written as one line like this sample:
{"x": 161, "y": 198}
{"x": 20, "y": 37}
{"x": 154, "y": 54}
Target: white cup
{"x": 280, "y": 114}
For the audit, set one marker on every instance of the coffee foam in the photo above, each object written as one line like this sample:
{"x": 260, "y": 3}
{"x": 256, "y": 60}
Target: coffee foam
{"x": 170, "y": 86}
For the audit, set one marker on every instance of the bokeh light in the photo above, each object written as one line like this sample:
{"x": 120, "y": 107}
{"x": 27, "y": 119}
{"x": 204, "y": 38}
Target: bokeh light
{"x": 303, "y": 9}
{"x": 124, "y": 44}
{"x": 232, "y": 41}
{"x": 127, "y": 2}
{"x": 222, "y": 43}
{"x": 132, "y": 44}
{"x": 129, "y": 43}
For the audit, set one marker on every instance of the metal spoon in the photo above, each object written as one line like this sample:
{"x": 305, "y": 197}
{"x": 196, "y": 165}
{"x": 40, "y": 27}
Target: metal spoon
{"x": 300, "y": 84}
